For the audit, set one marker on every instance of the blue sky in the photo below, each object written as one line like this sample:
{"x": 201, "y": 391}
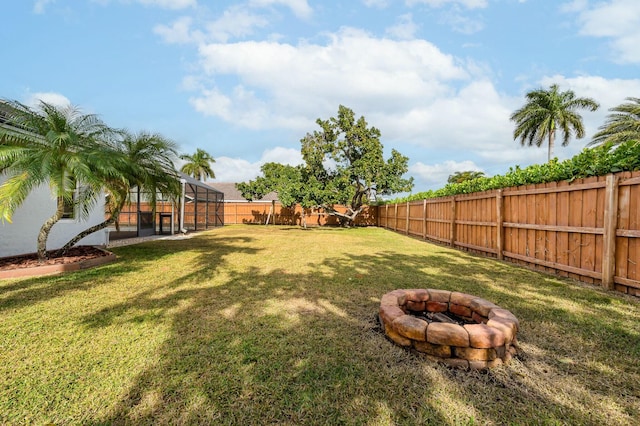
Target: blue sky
{"x": 247, "y": 80}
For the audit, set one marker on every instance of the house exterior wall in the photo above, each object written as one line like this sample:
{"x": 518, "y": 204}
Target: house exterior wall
{"x": 20, "y": 236}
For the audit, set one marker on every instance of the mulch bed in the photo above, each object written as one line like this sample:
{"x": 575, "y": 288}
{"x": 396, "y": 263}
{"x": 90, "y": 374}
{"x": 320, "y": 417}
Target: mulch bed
{"x": 76, "y": 254}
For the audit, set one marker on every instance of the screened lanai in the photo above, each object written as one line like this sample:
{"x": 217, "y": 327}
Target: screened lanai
{"x": 199, "y": 208}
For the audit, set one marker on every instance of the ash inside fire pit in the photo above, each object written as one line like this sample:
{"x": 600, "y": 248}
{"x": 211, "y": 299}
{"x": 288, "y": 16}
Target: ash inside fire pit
{"x": 448, "y": 318}
{"x": 455, "y": 328}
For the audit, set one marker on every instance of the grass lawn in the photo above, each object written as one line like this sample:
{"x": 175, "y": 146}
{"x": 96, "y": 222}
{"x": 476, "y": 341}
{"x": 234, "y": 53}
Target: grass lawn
{"x": 277, "y": 325}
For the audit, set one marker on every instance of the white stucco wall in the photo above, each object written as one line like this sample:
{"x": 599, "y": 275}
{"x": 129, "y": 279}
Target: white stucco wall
{"x": 20, "y": 236}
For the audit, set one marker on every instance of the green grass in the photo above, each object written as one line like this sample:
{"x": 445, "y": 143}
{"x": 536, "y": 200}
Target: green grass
{"x": 275, "y": 325}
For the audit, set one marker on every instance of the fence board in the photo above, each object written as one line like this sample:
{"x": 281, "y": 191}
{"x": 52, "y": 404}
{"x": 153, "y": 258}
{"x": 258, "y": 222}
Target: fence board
{"x": 622, "y": 244}
{"x": 634, "y": 224}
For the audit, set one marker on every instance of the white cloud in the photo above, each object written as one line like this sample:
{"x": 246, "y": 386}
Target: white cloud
{"x": 237, "y": 21}
{"x": 404, "y": 29}
{"x": 438, "y": 173}
{"x": 289, "y": 156}
{"x": 235, "y": 170}
{"x": 33, "y": 100}
{"x": 169, "y": 4}
{"x": 282, "y": 85}
{"x": 617, "y": 20}
{"x": 40, "y": 5}
{"x": 469, "y": 4}
{"x": 229, "y": 169}
{"x": 474, "y": 118}
{"x": 179, "y": 32}
{"x": 300, "y": 8}
{"x": 461, "y": 23}
{"x": 165, "y": 4}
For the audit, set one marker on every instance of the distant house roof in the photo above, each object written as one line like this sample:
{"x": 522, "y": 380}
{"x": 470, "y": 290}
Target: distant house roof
{"x": 232, "y": 195}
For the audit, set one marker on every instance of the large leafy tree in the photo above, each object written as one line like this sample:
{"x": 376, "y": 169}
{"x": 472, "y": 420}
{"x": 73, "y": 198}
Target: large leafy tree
{"x": 198, "y": 165}
{"x": 56, "y": 146}
{"x": 146, "y": 162}
{"x": 548, "y": 111}
{"x": 622, "y": 125}
{"x": 463, "y": 176}
{"x": 346, "y": 164}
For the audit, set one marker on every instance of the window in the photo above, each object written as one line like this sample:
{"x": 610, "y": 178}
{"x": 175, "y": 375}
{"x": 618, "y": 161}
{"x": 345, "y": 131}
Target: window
{"x": 68, "y": 205}
{"x": 68, "y": 208}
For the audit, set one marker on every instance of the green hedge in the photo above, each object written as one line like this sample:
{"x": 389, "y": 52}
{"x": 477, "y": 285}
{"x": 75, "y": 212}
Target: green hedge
{"x": 596, "y": 161}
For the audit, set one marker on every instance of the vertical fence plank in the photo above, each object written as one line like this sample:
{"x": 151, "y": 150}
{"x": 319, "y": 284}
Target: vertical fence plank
{"x": 453, "y": 222}
{"x": 589, "y": 212}
{"x": 610, "y": 223}
{"x": 622, "y": 244}
{"x": 395, "y": 217}
{"x": 575, "y": 239}
{"x": 406, "y": 226}
{"x": 530, "y": 202}
{"x": 551, "y": 219}
{"x": 424, "y": 219}
{"x": 499, "y": 227}
{"x": 633, "y": 272}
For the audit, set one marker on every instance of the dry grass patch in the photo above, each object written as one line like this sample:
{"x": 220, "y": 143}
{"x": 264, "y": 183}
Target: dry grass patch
{"x": 276, "y": 325}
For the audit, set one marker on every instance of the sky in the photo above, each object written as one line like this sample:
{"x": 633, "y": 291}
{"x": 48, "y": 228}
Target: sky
{"x": 246, "y": 80}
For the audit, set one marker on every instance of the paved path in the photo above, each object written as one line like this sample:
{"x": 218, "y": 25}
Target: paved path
{"x": 136, "y": 240}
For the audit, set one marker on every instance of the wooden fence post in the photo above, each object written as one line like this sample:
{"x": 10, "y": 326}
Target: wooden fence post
{"x": 610, "y": 227}
{"x": 453, "y": 222}
{"x": 499, "y": 227}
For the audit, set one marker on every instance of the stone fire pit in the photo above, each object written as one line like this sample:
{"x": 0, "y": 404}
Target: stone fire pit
{"x": 454, "y": 328}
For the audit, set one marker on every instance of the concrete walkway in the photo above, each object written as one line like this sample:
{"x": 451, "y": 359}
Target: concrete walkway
{"x": 136, "y": 240}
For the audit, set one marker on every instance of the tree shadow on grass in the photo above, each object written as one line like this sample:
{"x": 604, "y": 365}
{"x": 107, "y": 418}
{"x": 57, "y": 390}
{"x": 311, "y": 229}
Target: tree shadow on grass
{"x": 282, "y": 348}
{"x": 209, "y": 255}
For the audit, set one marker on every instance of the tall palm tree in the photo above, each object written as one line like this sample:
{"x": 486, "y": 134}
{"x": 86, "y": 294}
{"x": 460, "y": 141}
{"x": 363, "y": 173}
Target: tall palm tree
{"x": 146, "y": 162}
{"x": 58, "y": 146}
{"x": 548, "y": 111}
{"x": 621, "y": 126}
{"x": 198, "y": 165}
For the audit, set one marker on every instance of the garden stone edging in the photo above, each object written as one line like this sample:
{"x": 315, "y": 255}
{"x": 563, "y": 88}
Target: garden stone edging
{"x": 58, "y": 268}
{"x": 488, "y": 342}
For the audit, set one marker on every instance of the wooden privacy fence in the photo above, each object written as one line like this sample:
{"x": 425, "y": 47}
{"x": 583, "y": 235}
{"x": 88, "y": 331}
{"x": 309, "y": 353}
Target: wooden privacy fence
{"x": 588, "y": 229}
{"x": 257, "y": 212}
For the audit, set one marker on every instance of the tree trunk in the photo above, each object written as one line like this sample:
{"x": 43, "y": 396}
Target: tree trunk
{"x": 344, "y": 218}
{"x": 43, "y": 235}
{"x": 552, "y": 136}
{"x": 63, "y": 251}
{"x": 116, "y": 214}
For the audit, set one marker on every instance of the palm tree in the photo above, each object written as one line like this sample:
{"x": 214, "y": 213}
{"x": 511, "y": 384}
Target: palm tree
{"x": 58, "y": 146}
{"x": 622, "y": 126}
{"x": 146, "y": 162}
{"x": 198, "y": 165}
{"x": 548, "y": 111}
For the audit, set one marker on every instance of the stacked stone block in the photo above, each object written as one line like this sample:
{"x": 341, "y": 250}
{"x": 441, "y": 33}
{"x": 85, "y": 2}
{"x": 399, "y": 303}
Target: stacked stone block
{"x": 487, "y": 341}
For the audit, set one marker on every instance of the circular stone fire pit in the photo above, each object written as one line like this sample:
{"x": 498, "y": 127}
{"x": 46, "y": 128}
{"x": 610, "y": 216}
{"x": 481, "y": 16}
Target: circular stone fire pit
{"x": 457, "y": 329}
